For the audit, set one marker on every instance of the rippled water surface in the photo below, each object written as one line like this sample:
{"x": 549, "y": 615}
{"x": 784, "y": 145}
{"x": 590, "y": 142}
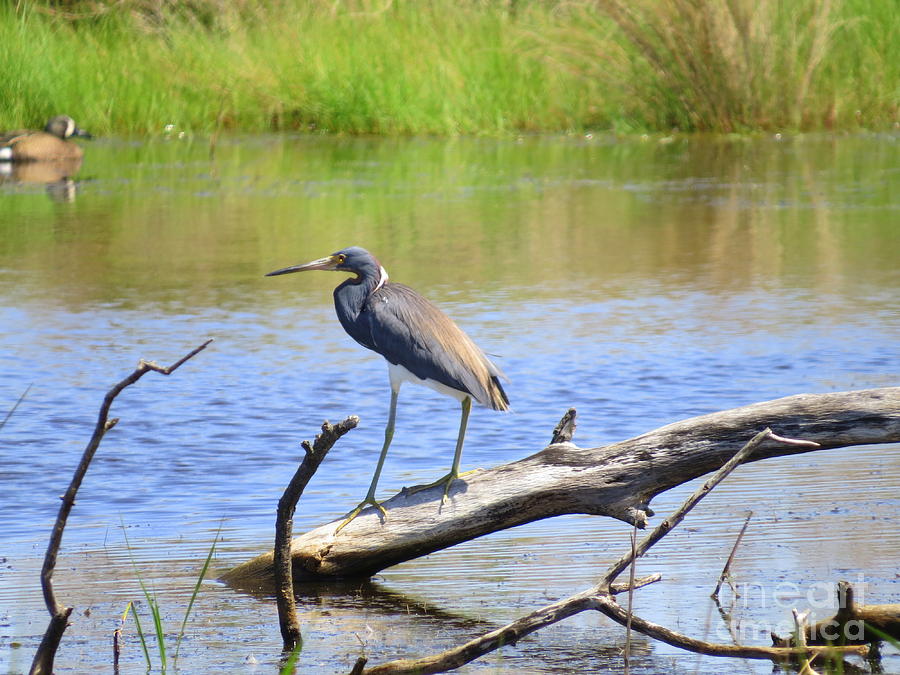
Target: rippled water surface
{"x": 639, "y": 282}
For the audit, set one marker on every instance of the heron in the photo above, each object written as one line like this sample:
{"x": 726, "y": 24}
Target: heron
{"x": 421, "y": 344}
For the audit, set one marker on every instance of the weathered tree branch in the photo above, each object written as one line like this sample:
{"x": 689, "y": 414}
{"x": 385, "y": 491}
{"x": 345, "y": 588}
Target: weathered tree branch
{"x": 284, "y": 523}
{"x": 601, "y": 598}
{"x": 565, "y": 430}
{"x": 608, "y": 606}
{"x": 506, "y": 635}
{"x": 617, "y": 480}
{"x": 59, "y": 615}
{"x": 801, "y": 625}
{"x": 666, "y": 525}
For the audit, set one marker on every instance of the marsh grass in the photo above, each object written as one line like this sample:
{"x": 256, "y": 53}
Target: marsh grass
{"x": 156, "y": 614}
{"x": 435, "y": 68}
{"x": 443, "y": 67}
{"x": 289, "y": 667}
{"x": 742, "y": 65}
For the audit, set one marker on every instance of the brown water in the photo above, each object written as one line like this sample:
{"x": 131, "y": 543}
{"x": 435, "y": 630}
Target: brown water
{"x": 640, "y": 282}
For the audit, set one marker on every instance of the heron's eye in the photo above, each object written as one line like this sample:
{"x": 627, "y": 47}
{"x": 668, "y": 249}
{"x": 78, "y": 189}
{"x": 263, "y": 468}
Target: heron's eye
{"x": 341, "y": 258}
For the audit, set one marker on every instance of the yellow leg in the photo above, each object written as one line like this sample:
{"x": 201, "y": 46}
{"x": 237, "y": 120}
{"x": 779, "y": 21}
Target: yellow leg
{"x": 447, "y": 480}
{"x": 370, "y": 495}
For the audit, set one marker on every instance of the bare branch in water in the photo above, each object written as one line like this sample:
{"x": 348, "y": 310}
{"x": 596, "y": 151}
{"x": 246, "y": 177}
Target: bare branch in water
{"x": 59, "y": 615}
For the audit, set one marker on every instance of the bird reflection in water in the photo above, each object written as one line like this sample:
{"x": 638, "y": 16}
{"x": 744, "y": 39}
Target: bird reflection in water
{"x": 55, "y": 174}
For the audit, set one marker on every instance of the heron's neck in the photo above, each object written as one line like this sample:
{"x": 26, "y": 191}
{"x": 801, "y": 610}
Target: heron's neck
{"x": 350, "y": 296}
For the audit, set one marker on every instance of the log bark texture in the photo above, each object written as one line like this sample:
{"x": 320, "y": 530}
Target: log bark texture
{"x": 617, "y": 480}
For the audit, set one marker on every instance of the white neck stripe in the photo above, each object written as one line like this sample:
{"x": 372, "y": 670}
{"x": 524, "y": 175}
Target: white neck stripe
{"x": 381, "y": 279}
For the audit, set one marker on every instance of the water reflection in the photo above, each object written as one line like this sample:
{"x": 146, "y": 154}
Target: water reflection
{"x": 56, "y": 176}
{"x": 732, "y": 213}
{"x": 640, "y": 283}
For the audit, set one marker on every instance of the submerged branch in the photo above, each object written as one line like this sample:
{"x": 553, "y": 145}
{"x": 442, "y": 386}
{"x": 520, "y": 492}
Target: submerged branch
{"x": 852, "y": 623}
{"x": 725, "y": 575}
{"x": 666, "y": 525}
{"x": 601, "y": 598}
{"x": 608, "y": 606}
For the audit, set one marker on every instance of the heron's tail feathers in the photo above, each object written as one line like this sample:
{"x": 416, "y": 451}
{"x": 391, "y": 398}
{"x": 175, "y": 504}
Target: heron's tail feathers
{"x": 498, "y": 398}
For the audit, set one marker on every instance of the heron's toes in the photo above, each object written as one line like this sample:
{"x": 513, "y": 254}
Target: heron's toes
{"x": 355, "y": 512}
{"x": 447, "y": 489}
{"x": 446, "y": 481}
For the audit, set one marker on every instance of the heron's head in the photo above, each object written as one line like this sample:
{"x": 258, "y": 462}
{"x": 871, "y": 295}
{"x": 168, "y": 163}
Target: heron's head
{"x": 354, "y": 259}
{"x": 64, "y": 127}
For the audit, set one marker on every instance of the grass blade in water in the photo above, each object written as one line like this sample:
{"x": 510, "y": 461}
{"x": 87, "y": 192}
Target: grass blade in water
{"x": 187, "y": 613}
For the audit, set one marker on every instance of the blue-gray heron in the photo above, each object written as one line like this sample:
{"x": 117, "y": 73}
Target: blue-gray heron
{"x": 420, "y": 342}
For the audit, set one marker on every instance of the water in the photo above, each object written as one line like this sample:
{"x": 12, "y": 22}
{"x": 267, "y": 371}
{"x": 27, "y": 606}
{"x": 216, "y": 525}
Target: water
{"x": 640, "y": 282}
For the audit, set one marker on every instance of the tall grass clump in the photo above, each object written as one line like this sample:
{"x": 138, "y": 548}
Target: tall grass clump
{"x": 738, "y": 65}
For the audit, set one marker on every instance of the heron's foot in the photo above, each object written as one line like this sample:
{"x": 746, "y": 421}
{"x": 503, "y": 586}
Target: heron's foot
{"x": 446, "y": 481}
{"x": 368, "y": 501}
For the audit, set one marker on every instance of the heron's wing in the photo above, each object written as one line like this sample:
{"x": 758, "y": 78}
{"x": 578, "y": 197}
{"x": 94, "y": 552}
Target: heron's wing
{"x": 410, "y": 331}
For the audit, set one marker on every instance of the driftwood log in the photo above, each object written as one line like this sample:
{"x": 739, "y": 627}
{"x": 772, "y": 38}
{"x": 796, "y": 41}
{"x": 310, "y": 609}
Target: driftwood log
{"x": 617, "y": 480}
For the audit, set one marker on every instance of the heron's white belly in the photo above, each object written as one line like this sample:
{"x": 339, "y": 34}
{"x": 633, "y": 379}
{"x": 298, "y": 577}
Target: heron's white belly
{"x": 399, "y": 375}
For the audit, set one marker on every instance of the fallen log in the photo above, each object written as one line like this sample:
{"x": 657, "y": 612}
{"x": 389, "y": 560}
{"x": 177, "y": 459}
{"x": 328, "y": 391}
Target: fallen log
{"x": 617, "y": 480}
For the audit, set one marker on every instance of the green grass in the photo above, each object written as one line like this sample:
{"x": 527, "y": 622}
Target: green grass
{"x": 744, "y": 65}
{"x": 156, "y": 614}
{"x": 289, "y": 667}
{"x": 450, "y": 68}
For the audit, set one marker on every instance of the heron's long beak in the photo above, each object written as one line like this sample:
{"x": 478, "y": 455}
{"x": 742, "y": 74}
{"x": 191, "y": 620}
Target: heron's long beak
{"x": 328, "y": 263}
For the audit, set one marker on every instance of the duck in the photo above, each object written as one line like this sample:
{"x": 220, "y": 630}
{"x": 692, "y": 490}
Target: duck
{"x": 50, "y": 144}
